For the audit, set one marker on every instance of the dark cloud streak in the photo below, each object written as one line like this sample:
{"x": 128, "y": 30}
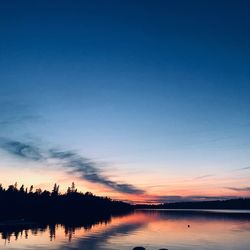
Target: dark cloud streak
{"x": 243, "y": 189}
{"x": 87, "y": 169}
{"x": 245, "y": 168}
{"x": 23, "y": 150}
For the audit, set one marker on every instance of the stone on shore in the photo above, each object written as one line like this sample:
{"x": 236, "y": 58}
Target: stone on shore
{"x": 142, "y": 248}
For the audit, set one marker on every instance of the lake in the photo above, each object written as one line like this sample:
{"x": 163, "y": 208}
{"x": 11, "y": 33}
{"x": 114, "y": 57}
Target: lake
{"x": 153, "y": 229}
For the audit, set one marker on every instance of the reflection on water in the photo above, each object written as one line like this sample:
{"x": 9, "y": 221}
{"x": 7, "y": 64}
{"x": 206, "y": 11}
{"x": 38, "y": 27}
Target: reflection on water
{"x": 150, "y": 228}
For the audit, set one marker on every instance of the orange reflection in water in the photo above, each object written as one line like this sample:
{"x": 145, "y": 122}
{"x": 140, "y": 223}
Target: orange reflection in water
{"x": 152, "y": 229}
{"x": 190, "y": 231}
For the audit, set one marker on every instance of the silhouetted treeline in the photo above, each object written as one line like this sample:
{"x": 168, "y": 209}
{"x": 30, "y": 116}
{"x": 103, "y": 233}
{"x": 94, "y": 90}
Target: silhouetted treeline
{"x": 17, "y": 203}
{"x": 241, "y": 203}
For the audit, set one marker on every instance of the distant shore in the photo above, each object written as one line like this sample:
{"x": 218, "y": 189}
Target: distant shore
{"x": 234, "y": 204}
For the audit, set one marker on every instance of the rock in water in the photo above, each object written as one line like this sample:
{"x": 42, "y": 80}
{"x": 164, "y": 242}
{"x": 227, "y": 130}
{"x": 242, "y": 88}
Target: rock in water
{"x": 139, "y": 248}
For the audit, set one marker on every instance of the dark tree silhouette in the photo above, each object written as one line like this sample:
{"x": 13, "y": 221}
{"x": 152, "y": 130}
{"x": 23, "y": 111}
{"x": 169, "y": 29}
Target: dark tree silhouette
{"x": 31, "y": 189}
{"x": 55, "y": 190}
{"x": 44, "y": 205}
{"x": 21, "y": 189}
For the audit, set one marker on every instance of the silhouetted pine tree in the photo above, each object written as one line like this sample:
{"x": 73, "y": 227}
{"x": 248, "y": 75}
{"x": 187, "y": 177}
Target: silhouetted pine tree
{"x": 19, "y": 203}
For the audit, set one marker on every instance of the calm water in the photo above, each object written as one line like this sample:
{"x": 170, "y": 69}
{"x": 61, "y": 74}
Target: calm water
{"x": 149, "y": 228}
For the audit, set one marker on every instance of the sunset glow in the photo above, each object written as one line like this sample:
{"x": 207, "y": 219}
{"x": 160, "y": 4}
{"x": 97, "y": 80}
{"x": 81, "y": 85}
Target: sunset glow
{"x": 142, "y": 102}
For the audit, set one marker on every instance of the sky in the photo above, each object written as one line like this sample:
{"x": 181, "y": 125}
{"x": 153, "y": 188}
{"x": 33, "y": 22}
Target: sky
{"x": 145, "y": 101}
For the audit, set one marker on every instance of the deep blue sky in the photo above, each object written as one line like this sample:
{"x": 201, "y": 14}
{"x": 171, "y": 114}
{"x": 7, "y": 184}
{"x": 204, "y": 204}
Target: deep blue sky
{"x": 161, "y": 87}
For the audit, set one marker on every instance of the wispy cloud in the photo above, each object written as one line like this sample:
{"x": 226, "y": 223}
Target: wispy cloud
{"x": 176, "y": 198}
{"x": 243, "y": 189}
{"x": 203, "y": 176}
{"x": 16, "y": 115}
{"x": 245, "y": 168}
{"x": 18, "y": 120}
{"x": 23, "y": 150}
{"x": 70, "y": 160}
{"x": 89, "y": 171}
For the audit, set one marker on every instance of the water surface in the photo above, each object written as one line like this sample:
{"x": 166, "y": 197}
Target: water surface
{"x": 152, "y": 229}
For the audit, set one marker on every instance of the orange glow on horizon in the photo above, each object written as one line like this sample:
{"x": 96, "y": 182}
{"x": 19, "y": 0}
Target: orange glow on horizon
{"x": 159, "y": 190}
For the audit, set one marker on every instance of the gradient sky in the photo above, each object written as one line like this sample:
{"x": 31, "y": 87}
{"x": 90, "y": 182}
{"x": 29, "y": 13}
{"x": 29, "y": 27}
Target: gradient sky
{"x": 153, "y": 97}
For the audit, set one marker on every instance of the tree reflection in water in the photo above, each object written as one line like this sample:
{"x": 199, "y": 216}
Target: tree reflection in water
{"x": 13, "y": 230}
